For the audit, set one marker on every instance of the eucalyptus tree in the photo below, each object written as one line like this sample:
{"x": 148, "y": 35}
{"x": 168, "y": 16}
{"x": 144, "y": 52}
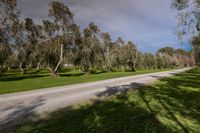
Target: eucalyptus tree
{"x": 9, "y": 19}
{"x": 159, "y": 60}
{"x": 73, "y": 53}
{"x": 188, "y": 16}
{"x": 131, "y": 54}
{"x": 32, "y": 31}
{"x": 189, "y": 22}
{"x": 51, "y": 49}
{"x": 120, "y": 51}
{"x": 181, "y": 56}
{"x": 14, "y": 30}
{"x": 196, "y": 47}
{"x": 9, "y": 15}
{"x": 63, "y": 19}
{"x": 37, "y": 56}
{"x": 91, "y": 48}
{"x": 167, "y": 50}
{"x": 139, "y": 60}
{"x": 185, "y": 58}
{"x": 21, "y": 47}
{"x": 5, "y": 52}
{"x": 165, "y": 57}
{"x": 150, "y": 61}
{"x": 27, "y": 46}
{"x": 107, "y": 50}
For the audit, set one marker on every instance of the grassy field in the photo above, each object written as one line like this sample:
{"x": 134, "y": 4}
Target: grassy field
{"x": 171, "y": 105}
{"x": 15, "y": 82}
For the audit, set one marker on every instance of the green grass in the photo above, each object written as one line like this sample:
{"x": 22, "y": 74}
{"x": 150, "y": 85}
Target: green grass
{"x": 15, "y": 82}
{"x": 171, "y": 105}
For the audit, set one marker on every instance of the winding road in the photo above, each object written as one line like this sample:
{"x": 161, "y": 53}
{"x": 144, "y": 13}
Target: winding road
{"x": 18, "y": 107}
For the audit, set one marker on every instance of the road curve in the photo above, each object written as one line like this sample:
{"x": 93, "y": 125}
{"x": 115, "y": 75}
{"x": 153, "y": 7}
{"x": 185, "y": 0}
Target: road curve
{"x": 16, "y": 107}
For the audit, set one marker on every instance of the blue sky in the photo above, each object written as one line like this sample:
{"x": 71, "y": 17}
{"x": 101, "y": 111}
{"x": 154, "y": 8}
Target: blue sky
{"x": 149, "y": 24}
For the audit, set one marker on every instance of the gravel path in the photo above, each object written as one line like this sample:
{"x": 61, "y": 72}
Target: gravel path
{"x": 17, "y": 107}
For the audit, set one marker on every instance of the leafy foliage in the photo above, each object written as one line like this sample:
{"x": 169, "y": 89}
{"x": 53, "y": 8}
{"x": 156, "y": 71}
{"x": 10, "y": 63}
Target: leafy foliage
{"x": 189, "y": 22}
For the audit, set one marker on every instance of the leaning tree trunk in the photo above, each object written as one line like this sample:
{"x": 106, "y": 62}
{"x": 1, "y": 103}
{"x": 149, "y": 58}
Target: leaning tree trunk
{"x": 109, "y": 65}
{"x": 54, "y": 71}
{"x": 109, "y": 68}
{"x": 38, "y": 65}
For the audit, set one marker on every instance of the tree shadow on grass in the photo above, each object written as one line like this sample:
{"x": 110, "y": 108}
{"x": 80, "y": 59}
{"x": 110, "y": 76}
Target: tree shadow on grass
{"x": 115, "y": 90}
{"x": 178, "y": 95}
{"x": 113, "y": 116}
{"x": 39, "y": 72}
{"x": 161, "y": 105}
{"x": 71, "y": 75}
{"x": 7, "y": 78}
{"x": 184, "y": 80}
{"x": 98, "y": 71}
{"x": 182, "y": 94}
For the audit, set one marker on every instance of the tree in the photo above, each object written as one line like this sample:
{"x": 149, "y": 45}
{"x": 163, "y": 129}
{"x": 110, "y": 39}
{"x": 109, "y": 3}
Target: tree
{"x": 196, "y": 47}
{"x": 5, "y": 52}
{"x": 188, "y": 17}
{"x": 120, "y": 51}
{"x": 10, "y": 25}
{"x": 73, "y": 54}
{"x": 90, "y": 49}
{"x": 107, "y": 46}
{"x": 63, "y": 19}
{"x": 130, "y": 55}
{"x": 37, "y": 57}
{"x": 26, "y": 43}
{"x": 51, "y": 46}
{"x": 189, "y": 21}
{"x": 167, "y": 50}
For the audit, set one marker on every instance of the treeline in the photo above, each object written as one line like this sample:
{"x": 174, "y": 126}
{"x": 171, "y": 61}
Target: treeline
{"x": 25, "y": 44}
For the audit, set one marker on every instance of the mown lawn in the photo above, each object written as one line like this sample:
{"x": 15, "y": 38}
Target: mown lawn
{"x": 15, "y": 82}
{"x": 171, "y": 105}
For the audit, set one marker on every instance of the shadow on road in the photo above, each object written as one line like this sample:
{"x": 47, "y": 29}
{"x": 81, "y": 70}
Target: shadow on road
{"x": 115, "y": 90}
{"x": 19, "y": 115}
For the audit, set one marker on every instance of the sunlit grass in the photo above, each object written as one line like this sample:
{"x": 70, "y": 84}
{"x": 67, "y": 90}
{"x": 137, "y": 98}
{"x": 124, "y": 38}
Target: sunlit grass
{"x": 13, "y": 81}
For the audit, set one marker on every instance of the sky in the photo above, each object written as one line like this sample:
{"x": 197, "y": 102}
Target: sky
{"x": 150, "y": 24}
